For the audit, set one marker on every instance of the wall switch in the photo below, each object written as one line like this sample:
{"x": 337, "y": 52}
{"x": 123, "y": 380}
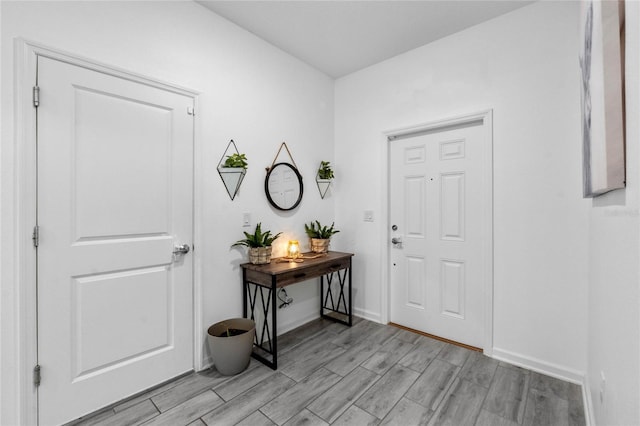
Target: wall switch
{"x": 246, "y": 219}
{"x": 368, "y": 215}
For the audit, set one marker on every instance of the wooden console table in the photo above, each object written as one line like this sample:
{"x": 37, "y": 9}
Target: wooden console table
{"x": 334, "y": 269}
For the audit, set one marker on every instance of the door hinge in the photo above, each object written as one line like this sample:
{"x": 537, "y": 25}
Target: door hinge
{"x": 36, "y": 375}
{"x": 36, "y": 96}
{"x": 36, "y": 236}
{"x": 191, "y": 111}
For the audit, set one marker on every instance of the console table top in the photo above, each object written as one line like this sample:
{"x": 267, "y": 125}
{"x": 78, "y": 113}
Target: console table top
{"x": 277, "y": 267}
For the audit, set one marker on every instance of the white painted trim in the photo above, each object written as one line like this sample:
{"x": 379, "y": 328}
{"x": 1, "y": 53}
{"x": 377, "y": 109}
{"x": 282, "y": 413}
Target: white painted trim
{"x": 553, "y": 370}
{"x": 25, "y": 340}
{"x": 486, "y": 117}
{"x": 368, "y": 315}
{"x": 534, "y": 364}
{"x": 587, "y": 401}
{"x": 199, "y": 330}
{"x": 25, "y": 220}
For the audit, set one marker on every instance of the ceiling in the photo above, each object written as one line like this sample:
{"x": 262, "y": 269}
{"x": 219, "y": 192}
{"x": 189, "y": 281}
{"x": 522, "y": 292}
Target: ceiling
{"x": 339, "y": 37}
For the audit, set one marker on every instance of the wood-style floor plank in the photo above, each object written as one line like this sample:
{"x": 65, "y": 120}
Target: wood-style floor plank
{"x": 356, "y": 416}
{"x": 244, "y": 381}
{"x": 387, "y": 356}
{"x": 135, "y": 414}
{"x": 431, "y": 387}
{"x": 294, "y": 400}
{"x": 130, "y": 402}
{"x": 246, "y": 403}
{"x": 462, "y": 404}
{"x": 306, "y": 418}
{"x": 369, "y": 374}
{"x": 407, "y": 412}
{"x": 300, "y": 368}
{"x": 387, "y": 391}
{"x": 545, "y": 409}
{"x": 489, "y": 419}
{"x": 256, "y": 419}
{"x": 424, "y": 351}
{"x": 479, "y": 369}
{"x": 453, "y": 354}
{"x": 507, "y": 394}
{"x": 188, "y": 411}
{"x": 352, "y": 357}
{"x": 336, "y": 400}
{"x": 195, "y": 385}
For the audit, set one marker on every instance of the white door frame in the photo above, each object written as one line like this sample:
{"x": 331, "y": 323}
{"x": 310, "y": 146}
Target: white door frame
{"x": 25, "y": 195}
{"x": 486, "y": 117}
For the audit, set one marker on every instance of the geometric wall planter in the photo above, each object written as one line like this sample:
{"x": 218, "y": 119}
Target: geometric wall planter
{"x": 324, "y": 176}
{"x": 232, "y": 177}
{"x": 323, "y": 186}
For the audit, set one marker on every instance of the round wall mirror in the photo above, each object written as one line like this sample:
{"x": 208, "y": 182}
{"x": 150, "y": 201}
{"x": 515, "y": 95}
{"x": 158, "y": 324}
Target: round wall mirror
{"x": 283, "y": 186}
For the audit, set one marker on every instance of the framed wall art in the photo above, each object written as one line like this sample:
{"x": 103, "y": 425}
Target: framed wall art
{"x": 602, "y": 89}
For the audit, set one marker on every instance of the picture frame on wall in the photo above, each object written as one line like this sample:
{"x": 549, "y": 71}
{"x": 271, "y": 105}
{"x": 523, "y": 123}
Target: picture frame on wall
{"x": 602, "y": 89}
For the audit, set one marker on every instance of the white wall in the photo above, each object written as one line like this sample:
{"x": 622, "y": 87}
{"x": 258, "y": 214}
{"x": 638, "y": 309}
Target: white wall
{"x": 250, "y": 92}
{"x": 524, "y": 66}
{"x": 614, "y": 294}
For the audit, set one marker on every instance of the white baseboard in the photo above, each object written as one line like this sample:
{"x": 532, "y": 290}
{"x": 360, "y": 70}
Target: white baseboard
{"x": 368, "y": 315}
{"x": 553, "y": 370}
{"x": 288, "y": 326}
{"x": 539, "y": 366}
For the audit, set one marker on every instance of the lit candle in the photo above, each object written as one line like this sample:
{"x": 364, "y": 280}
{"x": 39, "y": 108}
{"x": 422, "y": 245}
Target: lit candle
{"x": 293, "y": 250}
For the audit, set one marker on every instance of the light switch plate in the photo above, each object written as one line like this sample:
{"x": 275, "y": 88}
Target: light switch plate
{"x": 368, "y": 215}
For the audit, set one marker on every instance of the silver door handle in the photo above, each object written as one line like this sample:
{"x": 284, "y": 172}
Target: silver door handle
{"x": 181, "y": 249}
{"x": 396, "y": 240}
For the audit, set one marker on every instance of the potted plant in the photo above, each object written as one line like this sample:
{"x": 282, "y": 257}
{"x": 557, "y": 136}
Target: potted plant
{"x": 232, "y": 170}
{"x": 325, "y": 172}
{"x": 236, "y": 160}
{"x": 231, "y": 344}
{"x": 324, "y": 177}
{"x": 320, "y": 236}
{"x": 259, "y": 244}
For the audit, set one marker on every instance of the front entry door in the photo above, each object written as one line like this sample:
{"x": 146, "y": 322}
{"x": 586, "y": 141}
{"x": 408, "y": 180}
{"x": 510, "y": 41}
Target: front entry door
{"x": 437, "y": 212}
{"x": 115, "y": 173}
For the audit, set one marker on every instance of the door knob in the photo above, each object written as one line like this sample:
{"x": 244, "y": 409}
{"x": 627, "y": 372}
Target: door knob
{"x": 181, "y": 249}
{"x": 396, "y": 240}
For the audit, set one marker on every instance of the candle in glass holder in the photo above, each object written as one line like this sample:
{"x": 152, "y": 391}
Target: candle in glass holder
{"x": 293, "y": 249}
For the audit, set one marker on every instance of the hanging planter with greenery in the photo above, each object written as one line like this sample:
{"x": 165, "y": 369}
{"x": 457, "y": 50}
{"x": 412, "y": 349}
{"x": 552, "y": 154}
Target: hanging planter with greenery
{"x": 232, "y": 168}
{"x": 324, "y": 176}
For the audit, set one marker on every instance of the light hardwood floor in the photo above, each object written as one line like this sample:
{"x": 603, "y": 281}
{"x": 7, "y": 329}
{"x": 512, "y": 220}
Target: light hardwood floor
{"x": 368, "y": 374}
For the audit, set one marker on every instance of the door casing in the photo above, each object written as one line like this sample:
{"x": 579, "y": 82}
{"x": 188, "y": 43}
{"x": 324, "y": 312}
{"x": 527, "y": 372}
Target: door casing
{"x": 388, "y": 136}
{"x": 26, "y": 342}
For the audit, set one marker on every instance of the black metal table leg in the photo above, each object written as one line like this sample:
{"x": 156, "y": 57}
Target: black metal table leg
{"x": 245, "y": 289}
{"x": 327, "y": 300}
{"x": 350, "y": 300}
{"x": 274, "y": 319}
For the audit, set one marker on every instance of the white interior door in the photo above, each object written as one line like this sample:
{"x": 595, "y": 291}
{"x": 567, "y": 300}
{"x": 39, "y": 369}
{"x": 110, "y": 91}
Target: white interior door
{"x": 437, "y": 217}
{"x": 115, "y": 196}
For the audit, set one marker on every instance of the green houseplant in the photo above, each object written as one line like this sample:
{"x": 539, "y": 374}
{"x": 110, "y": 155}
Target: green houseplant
{"x": 319, "y": 236}
{"x": 259, "y": 244}
{"x": 324, "y": 177}
{"x": 325, "y": 171}
{"x": 232, "y": 169}
{"x": 236, "y": 160}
